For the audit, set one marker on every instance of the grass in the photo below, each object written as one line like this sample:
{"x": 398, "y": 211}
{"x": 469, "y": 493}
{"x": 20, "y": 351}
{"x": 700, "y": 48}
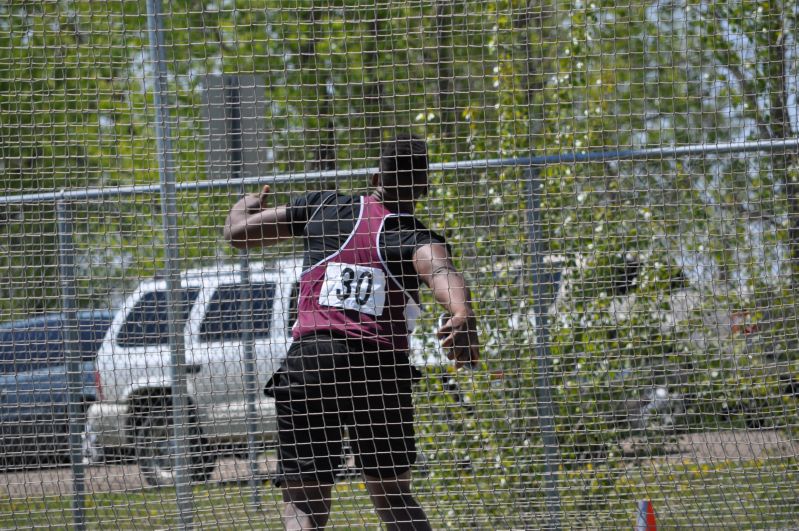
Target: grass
{"x": 216, "y": 507}
{"x": 761, "y": 494}
{"x": 758, "y": 494}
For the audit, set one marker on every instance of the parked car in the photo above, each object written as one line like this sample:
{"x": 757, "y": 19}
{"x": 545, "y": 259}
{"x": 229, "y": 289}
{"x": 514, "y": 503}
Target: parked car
{"x": 34, "y": 390}
{"x": 134, "y": 360}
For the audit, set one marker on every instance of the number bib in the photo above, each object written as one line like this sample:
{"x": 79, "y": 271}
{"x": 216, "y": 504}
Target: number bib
{"x": 354, "y": 287}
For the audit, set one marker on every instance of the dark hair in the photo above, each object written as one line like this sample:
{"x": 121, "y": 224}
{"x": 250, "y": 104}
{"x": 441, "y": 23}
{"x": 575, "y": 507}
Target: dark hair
{"x": 403, "y": 164}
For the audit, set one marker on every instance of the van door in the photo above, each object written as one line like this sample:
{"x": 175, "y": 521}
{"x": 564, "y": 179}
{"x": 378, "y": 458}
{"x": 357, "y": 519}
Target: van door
{"x": 285, "y": 316}
{"x": 219, "y": 336}
{"x": 140, "y": 353}
{"x": 271, "y": 347}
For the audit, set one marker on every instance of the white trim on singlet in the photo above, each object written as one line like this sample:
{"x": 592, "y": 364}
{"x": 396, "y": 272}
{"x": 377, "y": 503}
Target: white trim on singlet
{"x": 380, "y": 255}
{"x": 343, "y": 245}
{"x": 322, "y": 204}
{"x": 410, "y": 302}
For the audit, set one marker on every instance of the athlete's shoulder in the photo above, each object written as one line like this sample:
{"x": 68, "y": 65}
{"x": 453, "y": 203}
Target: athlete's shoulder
{"x": 318, "y": 197}
{"x": 305, "y": 204}
{"x": 407, "y": 226}
{"x": 406, "y": 222}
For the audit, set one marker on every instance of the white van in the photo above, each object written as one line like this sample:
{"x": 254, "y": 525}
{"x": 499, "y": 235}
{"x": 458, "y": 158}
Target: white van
{"x": 133, "y": 366}
{"x": 133, "y": 414}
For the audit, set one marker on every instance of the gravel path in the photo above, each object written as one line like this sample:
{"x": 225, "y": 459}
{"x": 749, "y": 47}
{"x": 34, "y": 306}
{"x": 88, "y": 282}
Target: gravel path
{"x": 718, "y": 446}
{"x": 37, "y": 483}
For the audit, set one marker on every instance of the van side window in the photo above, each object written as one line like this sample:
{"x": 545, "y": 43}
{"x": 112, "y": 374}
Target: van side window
{"x": 91, "y": 334}
{"x": 148, "y": 321}
{"x": 224, "y": 318}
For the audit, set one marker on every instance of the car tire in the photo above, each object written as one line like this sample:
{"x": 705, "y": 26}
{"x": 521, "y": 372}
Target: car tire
{"x": 62, "y": 450}
{"x": 152, "y": 441}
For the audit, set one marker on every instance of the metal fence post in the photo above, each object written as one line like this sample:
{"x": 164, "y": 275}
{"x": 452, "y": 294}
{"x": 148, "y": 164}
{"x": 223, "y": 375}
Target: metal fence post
{"x": 234, "y": 128}
{"x": 77, "y": 417}
{"x": 172, "y": 262}
{"x": 543, "y": 289}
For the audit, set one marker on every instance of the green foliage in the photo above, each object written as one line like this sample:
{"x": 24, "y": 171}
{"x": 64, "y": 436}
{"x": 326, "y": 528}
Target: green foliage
{"x": 477, "y": 444}
{"x": 742, "y": 377}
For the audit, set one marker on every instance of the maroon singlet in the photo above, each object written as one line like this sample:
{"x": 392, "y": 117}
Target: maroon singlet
{"x": 352, "y": 292}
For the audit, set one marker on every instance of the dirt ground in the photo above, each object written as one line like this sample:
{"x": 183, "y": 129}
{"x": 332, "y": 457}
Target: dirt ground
{"x": 111, "y": 478}
{"x": 733, "y": 445}
{"x": 708, "y": 447}
{"x": 720, "y": 446}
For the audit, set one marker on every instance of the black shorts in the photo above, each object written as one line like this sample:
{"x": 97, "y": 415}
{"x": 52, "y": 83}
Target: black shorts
{"x": 328, "y": 382}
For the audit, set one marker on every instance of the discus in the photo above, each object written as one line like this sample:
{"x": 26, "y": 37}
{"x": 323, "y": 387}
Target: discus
{"x": 442, "y": 319}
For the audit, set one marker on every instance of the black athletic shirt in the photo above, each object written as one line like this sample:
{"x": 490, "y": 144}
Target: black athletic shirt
{"x": 326, "y": 231}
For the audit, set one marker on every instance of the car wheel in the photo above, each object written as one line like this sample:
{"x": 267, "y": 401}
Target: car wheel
{"x": 61, "y": 445}
{"x": 153, "y": 439}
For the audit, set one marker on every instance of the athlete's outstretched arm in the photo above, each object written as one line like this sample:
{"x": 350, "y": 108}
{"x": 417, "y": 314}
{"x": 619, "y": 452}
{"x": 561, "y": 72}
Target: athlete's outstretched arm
{"x": 251, "y": 224}
{"x": 459, "y": 334}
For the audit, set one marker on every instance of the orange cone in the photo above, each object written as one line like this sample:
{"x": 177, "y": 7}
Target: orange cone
{"x": 645, "y": 520}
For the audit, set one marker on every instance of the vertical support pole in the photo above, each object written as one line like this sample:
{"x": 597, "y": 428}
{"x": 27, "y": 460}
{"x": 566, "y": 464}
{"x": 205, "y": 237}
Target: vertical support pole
{"x": 543, "y": 289}
{"x": 235, "y": 158}
{"x": 75, "y": 376}
{"x": 177, "y": 347}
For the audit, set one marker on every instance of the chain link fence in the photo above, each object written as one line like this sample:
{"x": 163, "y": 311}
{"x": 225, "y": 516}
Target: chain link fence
{"x": 617, "y": 183}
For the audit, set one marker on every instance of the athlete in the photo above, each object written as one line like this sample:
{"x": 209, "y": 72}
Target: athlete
{"x": 365, "y": 258}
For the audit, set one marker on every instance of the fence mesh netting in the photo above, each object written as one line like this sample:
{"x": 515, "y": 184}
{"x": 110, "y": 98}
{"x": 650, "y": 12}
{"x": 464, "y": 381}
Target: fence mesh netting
{"x": 635, "y": 301}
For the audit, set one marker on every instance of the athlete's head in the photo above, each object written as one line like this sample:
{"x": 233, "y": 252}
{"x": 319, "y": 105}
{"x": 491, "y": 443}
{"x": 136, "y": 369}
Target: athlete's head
{"x": 403, "y": 169}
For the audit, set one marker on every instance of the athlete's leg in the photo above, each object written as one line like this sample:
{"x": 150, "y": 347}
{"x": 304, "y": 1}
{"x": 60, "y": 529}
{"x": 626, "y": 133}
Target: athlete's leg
{"x": 309, "y": 435}
{"x": 395, "y": 503}
{"x": 384, "y": 444}
{"x": 306, "y": 504}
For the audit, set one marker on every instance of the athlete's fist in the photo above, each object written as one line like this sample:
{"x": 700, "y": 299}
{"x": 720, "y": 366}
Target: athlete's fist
{"x": 263, "y": 196}
{"x": 256, "y": 202}
{"x": 458, "y": 337}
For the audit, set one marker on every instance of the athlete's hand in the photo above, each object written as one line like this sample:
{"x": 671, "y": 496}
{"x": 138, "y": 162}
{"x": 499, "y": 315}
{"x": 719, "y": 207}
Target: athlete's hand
{"x": 458, "y": 336}
{"x": 263, "y": 197}
{"x": 256, "y": 202}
